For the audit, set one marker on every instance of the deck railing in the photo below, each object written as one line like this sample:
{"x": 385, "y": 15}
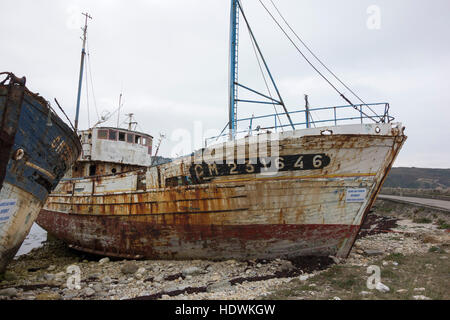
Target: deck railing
{"x": 366, "y": 113}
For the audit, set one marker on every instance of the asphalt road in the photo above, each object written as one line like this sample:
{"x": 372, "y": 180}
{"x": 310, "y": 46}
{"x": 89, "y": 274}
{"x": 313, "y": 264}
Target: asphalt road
{"x": 421, "y": 201}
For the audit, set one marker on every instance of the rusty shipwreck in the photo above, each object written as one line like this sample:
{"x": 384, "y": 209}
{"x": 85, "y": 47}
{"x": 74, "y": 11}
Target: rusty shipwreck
{"x": 267, "y": 191}
{"x": 36, "y": 149}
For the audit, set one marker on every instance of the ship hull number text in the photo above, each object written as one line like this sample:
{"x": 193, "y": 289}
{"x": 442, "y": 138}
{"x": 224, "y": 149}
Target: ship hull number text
{"x": 259, "y": 165}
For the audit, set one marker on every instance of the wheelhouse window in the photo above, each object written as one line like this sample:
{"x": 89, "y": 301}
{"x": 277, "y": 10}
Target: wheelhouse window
{"x": 102, "y": 134}
{"x": 113, "y": 135}
{"x": 130, "y": 138}
{"x": 137, "y": 139}
{"x": 121, "y": 136}
{"x": 92, "y": 170}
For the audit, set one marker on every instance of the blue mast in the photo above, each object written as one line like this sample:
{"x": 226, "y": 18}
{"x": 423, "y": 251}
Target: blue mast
{"x": 80, "y": 81}
{"x": 233, "y": 68}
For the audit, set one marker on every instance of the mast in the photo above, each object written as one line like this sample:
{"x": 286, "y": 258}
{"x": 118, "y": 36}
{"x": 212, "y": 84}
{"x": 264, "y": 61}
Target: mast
{"x": 233, "y": 68}
{"x": 236, "y": 10}
{"x": 80, "y": 81}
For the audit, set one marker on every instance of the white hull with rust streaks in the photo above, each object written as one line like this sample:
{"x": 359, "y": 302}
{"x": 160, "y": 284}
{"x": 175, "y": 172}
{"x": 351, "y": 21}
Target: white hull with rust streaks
{"x": 17, "y": 219}
{"x": 307, "y": 210}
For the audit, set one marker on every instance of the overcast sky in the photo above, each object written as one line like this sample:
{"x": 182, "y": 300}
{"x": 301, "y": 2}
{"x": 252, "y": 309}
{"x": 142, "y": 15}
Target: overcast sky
{"x": 170, "y": 60}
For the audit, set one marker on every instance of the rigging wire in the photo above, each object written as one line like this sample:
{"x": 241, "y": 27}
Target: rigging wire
{"x": 319, "y": 60}
{"x": 264, "y": 77}
{"x": 92, "y": 82}
{"x": 265, "y": 64}
{"x": 311, "y": 64}
{"x": 87, "y": 96}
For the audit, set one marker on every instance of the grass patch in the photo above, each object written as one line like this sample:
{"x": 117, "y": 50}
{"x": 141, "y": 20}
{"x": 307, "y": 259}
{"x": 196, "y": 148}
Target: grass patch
{"x": 436, "y": 250}
{"x": 345, "y": 283}
{"x": 442, "y": 224}
{"x": 397, "y": 257}
{"x": 427, "y": 271}
{"x": 422, "y": 220}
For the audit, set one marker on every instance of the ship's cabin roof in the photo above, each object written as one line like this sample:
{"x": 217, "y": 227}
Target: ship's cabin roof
{"x": 119, "y": 134}
{"x": 116, "y": 145}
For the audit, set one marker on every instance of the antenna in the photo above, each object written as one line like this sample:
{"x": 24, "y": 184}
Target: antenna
{"x": 83, "y": 54}
{"x": 130, "y": 121}
{"x": 118, "y": 113}
{"x": 308, "y": 123}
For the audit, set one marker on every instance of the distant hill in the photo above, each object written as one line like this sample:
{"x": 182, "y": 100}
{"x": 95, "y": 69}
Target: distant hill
{"x": 418, "y": 178}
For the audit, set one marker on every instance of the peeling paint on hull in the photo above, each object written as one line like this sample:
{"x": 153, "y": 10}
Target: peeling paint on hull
{"x": 15, "y": 230}
{"x": 138, "y": 237}
{"x": 36, "y": 150}
{"x": 291, "y": 213}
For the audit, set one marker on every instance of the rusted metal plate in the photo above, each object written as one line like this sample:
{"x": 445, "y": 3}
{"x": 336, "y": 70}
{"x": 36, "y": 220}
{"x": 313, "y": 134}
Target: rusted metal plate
{"x": 191, "y": 209}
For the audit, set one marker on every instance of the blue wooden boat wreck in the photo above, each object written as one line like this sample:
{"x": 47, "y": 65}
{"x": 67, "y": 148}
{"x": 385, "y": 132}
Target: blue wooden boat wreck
{"x": 36, "y": 150}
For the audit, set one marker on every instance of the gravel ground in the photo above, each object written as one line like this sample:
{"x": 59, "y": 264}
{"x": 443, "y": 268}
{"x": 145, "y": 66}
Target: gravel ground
{"x": 43, "y": 273}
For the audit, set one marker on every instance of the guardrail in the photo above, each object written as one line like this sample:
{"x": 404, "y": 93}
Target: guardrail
{"x": 309, "y": 122}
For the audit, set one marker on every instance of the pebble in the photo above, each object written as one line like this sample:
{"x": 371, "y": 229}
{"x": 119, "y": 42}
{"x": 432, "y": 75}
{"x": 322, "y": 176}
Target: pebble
{"x": 9, "y": 292}
{"x": 421, "y": 297}
{"x": 48, "y": 296}
{"x": 286, "y": 266}
{"x": 51, "y": 268}
{"x": 141, "y": 270}
{"x": 373, "y": 252}
{"x": 419, "y": 289}
{"x": 401, "y": 291}
{"x": 89, "y": 292}
{"x": 94, "y": 276}
{"x": 49, "y": 276}
{"x": 70, "y": 296}
{"x": 158, "y": 278}
{"x": 103, "y": 261}
{"x": 106, "y": 280}
{"x": 192, "y": 271}
{"x": 129, "y": 268}
{"x": 219, "y": 286}
{"x": 174, "y": 288}
{"x": 97, "y": 287}
{"x": 9, "y": 276}
{"x": 382, "y": 287}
